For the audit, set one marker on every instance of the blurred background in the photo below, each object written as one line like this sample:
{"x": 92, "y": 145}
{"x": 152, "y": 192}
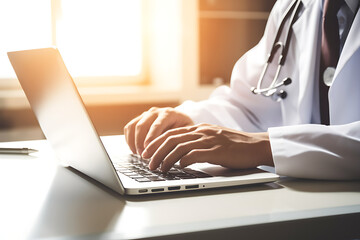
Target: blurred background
{"x": 126, "y": 56}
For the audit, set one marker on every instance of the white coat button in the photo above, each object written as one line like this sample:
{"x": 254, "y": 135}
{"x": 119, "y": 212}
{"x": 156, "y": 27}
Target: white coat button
{"x": 328, "y": 76}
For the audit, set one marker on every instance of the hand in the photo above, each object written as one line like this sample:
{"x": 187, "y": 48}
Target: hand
{"x": 209, "y": 143}
{"x": 151, "y": 124}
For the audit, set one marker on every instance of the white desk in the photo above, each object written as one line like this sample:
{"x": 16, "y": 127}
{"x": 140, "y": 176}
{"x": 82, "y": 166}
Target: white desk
{"x": 40, "y": 199}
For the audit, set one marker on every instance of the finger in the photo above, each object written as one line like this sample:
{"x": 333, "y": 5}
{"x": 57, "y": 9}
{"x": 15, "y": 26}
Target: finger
{"x": 156, "y": 143}
{"x": 168, "y": 146}
{"x": 163, "y": 123}
{"x": 180, "y": 151}
{"x": 200, "y": 156}
{"x": 142, "y": 128}
{"x": 129, "y": 132}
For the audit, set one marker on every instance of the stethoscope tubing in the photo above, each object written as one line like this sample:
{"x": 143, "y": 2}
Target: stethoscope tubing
{"x": 292, "y": 11}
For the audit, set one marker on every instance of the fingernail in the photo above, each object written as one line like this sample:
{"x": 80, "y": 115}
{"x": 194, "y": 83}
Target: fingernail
{"x": 139, "y": 151}
{"x": 145, "y": 154}
{"x": 151, "y": 166}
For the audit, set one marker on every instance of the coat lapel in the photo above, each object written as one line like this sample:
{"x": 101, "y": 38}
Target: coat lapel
{"x": 344, "y": 95}
{"x": 352, "y": 43}
{"x": 306, "y": 31}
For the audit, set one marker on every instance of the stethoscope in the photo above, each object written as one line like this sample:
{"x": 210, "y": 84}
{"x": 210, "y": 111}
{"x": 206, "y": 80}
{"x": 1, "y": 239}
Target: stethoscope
{"x": 273, "y": 90}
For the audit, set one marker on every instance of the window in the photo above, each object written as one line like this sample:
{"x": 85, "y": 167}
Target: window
{"x": 100, "y": 40}
{"x": 23, "y": 24}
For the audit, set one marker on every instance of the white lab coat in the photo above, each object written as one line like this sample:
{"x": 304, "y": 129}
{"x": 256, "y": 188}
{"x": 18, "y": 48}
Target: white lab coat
{"x": 301, "y": 147}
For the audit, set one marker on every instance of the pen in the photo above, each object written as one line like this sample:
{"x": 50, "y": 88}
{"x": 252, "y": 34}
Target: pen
{"x": 17, "y": 150}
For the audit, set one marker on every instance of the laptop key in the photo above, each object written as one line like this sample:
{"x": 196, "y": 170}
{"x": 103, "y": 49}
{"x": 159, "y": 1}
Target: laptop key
{"x": 149, "y": 174}
{"x": 156, "y": 178}
{"x": 186, "y": 177}
{"x": 202, "y": 175}
{"x": 170, "y": 177}
{"x": 124, "y": 171}
{"x": 137, "y": 177}
{"x": 196, "y": 173}
{"x": 132, "y": 174}
{"x": 143, "y": 180}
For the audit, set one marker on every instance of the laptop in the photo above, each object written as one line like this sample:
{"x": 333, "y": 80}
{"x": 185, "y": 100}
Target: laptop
{"x": 57, "y": 104}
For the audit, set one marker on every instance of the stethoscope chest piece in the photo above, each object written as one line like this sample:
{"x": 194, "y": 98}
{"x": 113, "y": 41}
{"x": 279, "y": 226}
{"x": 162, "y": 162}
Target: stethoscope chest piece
{"x": 328, "y": 76}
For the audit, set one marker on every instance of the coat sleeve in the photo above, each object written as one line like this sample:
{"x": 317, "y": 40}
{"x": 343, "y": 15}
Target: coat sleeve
{"x": 317, "y": 151}
{"x": 236, "y": 106}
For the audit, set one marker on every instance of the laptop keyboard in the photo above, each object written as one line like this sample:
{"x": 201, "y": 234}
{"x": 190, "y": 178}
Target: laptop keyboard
{"x": 138, "y": 169}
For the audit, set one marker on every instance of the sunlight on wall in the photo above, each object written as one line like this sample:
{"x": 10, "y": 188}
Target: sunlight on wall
{"x": 165, "y": 49}
{"x": 23, "y": 24}
{"x": 101, "y": 38}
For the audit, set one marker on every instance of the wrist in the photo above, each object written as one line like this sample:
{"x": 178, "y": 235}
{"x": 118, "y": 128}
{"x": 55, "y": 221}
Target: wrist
{"x": 265, "y": 146}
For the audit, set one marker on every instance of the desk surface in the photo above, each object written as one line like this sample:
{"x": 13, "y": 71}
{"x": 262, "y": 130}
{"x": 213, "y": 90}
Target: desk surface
{"x": 41, "y": 199}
